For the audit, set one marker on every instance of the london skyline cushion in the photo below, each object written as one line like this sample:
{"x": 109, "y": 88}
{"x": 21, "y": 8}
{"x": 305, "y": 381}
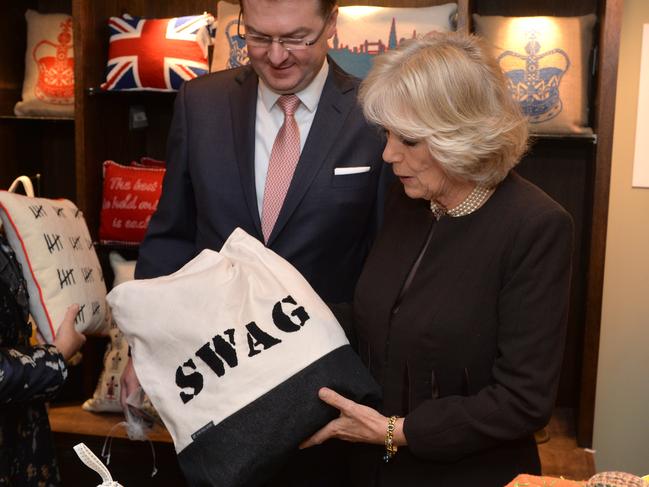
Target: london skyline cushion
{"x": 362, "y": 33}
{"x": 57, "y": 255}
{"x": 48, "y": 86}
{"x": 546, "y": 61}
{"x": 156, "y": 54}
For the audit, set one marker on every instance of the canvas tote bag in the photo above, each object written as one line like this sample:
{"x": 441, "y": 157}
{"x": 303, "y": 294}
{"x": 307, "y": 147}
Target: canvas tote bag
{"x": 232, "y": 350}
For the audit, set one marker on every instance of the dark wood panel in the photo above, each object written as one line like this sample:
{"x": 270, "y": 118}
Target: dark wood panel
{"x": 9, "y": 98}
{"x": 562, "y": 168}
{"x": 13, "y": 36}
{"x": 39, "y": 146}
{"x": 604, "y": 110}
{"x": 53, "y": 6}
{"x": 13, "y": 41}
{"x": 563, "y": 8}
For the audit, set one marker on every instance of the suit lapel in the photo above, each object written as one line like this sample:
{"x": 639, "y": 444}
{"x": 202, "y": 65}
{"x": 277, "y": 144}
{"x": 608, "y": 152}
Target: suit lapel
{"x": 337, "y": 99}
{"x": 243, "y": 107}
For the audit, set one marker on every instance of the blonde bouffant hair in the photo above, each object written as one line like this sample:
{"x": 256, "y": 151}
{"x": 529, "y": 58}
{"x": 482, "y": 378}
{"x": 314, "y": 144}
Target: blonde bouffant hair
{"x": 448, "y": 91}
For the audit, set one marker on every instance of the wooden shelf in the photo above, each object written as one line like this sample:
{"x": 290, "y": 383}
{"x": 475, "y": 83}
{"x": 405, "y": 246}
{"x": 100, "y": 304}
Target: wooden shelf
{"x": 45, "y": 119}
{"x": 72, "y": 419}
{"x": 96, "y": 91}
{"x": 585, "y": 137}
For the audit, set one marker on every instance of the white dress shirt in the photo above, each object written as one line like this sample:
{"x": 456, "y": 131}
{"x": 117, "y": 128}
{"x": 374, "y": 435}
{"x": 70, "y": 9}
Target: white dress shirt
{"x": 270, "y": 118}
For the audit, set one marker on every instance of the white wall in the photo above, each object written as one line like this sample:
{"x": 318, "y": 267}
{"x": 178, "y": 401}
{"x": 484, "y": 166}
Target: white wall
{"x": 621, "y": 429}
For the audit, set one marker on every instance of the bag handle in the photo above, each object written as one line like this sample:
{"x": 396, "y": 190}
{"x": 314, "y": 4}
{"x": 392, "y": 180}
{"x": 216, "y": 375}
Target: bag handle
{"x": 28, "y": 187}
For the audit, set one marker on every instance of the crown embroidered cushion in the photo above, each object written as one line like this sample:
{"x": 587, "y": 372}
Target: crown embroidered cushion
{"x": 229, "y": 49}
{"x": 106, "y": 395}
{"x": 546, "y": 61}
{"x": 48, "y": 87}
{"x": 362, "y": 33}
{"x": 54, "y": 248}
{"x": 156, "y": 54}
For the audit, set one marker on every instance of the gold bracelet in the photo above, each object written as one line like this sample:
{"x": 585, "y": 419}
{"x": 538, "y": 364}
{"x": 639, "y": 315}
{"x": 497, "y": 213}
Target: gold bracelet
{"x": 390, "y": 448}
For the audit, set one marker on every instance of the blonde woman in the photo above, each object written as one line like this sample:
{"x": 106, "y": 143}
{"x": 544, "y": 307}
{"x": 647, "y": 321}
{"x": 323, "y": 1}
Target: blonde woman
{"x": 460, "y": 311}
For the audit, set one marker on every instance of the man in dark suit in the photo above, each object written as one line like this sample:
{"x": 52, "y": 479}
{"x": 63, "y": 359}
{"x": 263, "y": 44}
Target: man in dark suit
{"x": 220, "y": 158}
{"x": 220, "y": 142}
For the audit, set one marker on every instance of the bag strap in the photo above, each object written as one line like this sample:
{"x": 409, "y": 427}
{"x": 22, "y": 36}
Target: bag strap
{"x": 28, "y": 187}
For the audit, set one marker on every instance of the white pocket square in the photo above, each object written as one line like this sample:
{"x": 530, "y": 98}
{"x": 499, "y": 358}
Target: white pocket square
{"x": 344, "y": 171}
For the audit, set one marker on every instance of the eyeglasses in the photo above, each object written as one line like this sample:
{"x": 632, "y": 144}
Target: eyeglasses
{"x": 288, "y": 43}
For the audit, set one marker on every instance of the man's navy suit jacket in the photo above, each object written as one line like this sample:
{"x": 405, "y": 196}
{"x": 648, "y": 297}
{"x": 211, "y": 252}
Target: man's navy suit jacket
{"x": 327, "y": 222}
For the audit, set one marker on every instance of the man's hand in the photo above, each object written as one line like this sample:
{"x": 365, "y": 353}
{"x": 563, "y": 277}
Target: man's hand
{"x": 68, "y": 340}
{"x": 129, "y": 383}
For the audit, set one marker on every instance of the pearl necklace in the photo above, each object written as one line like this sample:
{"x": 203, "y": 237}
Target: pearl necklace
{"x": 471, "y": 203}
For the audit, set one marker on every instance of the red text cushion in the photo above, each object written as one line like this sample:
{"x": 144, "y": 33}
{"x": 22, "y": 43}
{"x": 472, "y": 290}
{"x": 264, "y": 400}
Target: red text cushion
{"x": 130, "y": 197}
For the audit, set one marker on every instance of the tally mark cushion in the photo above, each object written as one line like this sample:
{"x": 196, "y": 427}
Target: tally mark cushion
{"x": 106, "y": 395}
{"x": 546, "y": 61}
{"x": 54, "y": 248}
{"x": 241, "y": 346}
{"x": 156, "y": 54}
{"x": 364, "y": 32}
{"x": 48, "y": 87}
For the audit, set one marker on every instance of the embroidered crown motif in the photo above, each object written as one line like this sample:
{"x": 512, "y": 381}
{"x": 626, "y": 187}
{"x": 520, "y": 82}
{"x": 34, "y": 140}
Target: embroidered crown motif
{"x": 534, "y": 78}
{"x": 238, "y": 51}
{"x": 55, "y": 68}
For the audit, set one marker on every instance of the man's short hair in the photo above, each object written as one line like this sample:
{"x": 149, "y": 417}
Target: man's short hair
{"x": 326, "y": 6}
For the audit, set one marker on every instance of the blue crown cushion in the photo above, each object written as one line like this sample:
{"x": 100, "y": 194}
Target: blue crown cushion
{"x": 546, "y": 61}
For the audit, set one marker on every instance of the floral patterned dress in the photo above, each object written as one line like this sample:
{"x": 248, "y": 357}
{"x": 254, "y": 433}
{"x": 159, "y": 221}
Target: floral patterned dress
{"x": 29, "y": 376}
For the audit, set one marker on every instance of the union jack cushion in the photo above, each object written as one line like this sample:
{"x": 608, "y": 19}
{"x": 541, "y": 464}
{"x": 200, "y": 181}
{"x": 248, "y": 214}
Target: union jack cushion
{"x": 156, "y": 54}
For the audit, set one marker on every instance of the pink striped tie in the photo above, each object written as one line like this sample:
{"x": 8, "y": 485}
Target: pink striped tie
{"x": 283, "y": 159}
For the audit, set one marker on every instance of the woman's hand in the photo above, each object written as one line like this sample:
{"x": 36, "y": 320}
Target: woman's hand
{"x": 356, "y": 423}
{"x": 68, "y": 340}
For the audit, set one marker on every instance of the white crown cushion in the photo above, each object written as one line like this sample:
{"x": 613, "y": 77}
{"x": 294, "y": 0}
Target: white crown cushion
{"x": 48, "y": 87}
